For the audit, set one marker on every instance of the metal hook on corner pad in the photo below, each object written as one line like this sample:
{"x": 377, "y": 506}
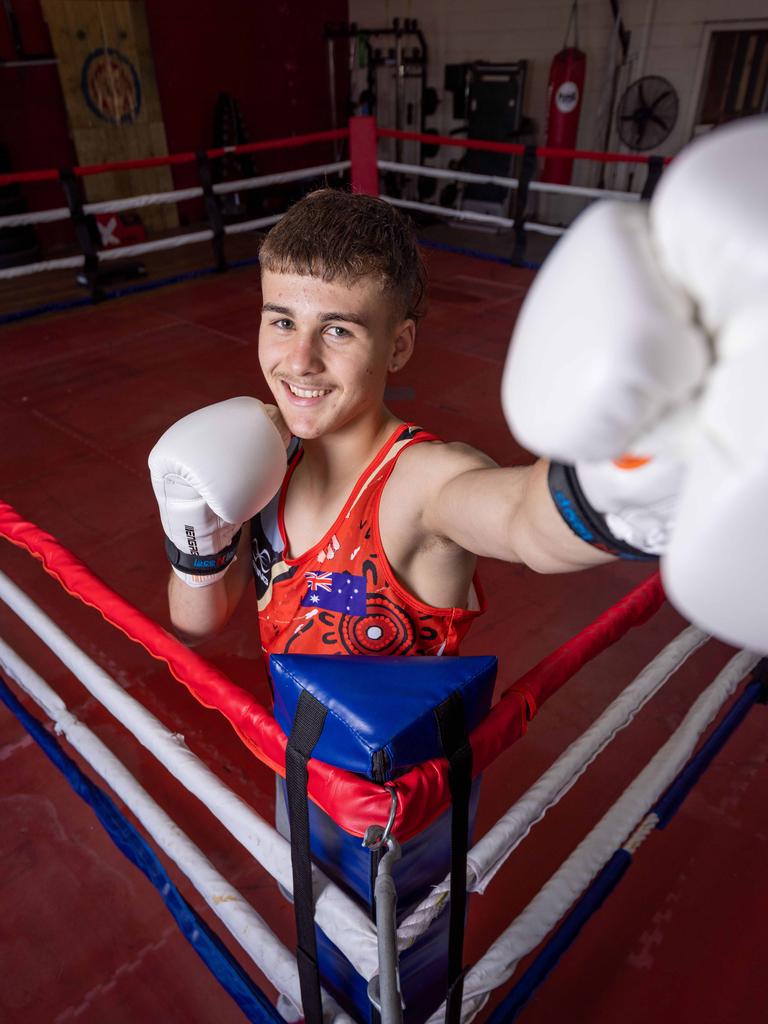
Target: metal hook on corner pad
{"x": 375, "y": 836}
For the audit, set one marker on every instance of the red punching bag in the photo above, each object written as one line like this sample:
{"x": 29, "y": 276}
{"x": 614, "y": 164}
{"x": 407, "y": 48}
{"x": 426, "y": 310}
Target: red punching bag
{"x": 566, "y": 85}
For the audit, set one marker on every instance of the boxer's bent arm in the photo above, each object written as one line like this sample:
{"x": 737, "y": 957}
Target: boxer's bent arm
{"x": 199, "y": 612}
{"x": 505, "y": 513}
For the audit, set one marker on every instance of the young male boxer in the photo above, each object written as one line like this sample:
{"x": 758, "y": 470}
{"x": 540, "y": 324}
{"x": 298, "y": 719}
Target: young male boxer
{"x": 342, "y": 281}
{"x": 368, "y": 543}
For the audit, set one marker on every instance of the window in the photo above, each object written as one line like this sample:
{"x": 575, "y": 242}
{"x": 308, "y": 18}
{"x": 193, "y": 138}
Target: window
{"x": 735, "y": 80}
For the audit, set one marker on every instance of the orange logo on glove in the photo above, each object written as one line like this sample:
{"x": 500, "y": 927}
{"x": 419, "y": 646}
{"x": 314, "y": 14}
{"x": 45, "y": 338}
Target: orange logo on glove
{"x": 631, "y": 461}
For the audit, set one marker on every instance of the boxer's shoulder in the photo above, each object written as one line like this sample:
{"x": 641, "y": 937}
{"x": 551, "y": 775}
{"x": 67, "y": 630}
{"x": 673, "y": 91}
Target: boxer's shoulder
{"x": 431, "y": 566}
{"x": 421, "y": 476}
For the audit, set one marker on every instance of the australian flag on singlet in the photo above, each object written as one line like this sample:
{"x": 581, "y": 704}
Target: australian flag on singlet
{"x": 335, "y": 592}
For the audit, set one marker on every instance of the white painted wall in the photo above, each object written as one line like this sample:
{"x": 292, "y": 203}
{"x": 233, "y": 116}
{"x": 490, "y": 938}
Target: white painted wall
{"x": 669, "y": 38}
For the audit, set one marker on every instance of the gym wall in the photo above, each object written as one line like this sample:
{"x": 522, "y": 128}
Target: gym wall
{"x": 271, "y": 57}
{"x": 668, "y": 38}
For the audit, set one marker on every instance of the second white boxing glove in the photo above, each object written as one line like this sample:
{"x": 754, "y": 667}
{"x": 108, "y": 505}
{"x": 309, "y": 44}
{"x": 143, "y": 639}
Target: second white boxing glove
{"x": 605, "y": 346}
{"x": 709, "y": 220}
{"x": 211, "y": 471}
{"x": 644, "y": 333}
{"x": 607, "y": 388}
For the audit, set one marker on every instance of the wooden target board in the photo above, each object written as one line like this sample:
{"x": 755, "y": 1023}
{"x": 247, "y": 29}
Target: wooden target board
{"x": 107, "y": 75}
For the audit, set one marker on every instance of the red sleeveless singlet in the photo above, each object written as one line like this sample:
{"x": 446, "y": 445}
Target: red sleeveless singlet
{"x": 341, "y": 596}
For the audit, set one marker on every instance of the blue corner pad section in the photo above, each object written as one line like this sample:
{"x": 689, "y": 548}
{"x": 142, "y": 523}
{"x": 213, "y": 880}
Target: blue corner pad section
{"x": 380, "y": 704}
{"x": 208, "y": 946}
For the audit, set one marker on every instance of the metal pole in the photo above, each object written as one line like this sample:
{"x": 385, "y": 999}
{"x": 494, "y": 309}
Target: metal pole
{"x": 384, "y": 990}
{"x": 399, "y": 89}
{"x": 332, "y": 91}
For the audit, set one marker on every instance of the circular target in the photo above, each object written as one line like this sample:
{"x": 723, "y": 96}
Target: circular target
{"x": 384, "y": 629}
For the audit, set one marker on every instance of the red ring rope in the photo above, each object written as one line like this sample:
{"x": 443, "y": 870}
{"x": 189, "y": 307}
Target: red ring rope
{"x": 353, "y": 802}
{"x": 517, "y": 148}
{"x": 177, "y": 158}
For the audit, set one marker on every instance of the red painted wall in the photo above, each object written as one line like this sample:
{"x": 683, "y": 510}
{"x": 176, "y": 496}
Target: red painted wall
{"x": 33, "y": 119}
{"x": 270, "y": 56}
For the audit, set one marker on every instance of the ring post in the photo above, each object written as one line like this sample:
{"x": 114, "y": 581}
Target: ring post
{"x": 212, "y": 211}
{"x": 86, "y": 232}
{"x": 363, "y": 154}
{"x": 655, "y": 168}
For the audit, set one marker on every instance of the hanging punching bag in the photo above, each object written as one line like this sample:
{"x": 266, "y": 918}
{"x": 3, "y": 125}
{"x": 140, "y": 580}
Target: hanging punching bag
{"x": 566, "y": 85}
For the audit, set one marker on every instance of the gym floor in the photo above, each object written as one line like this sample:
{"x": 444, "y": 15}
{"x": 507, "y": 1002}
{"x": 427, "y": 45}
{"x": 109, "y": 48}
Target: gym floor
{"x": 84, "y": 938}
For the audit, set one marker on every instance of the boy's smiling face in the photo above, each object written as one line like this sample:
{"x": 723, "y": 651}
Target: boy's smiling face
{"x": 326, "y": 347}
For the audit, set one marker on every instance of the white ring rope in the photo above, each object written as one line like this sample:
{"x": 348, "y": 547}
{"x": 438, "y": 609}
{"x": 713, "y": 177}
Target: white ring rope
{"x": 511, "y": 183}
{"x": 252, "y": 225}
{"x": 471, "y": 215}
{"x": 339, "y": 916}
{"x": 139, "y": 249}
{"x": 497, "y": 844}
{"x": 20, "y": 220}
{"x": 278, "y": 179}
{"x": 492, "y": 850}
{"x": 62, "y": 263}
{"x": 120, "y": 253}
{"x": 156, "y": 245}
{"x": 254, "y": 935}
{"x": 567, "y": 884}
{"x": 626, "y": 824}
{"x": 124, "y": 252}
{"x": 178, "y": 195}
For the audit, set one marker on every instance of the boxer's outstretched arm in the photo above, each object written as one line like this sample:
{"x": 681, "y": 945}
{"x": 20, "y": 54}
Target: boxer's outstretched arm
{"x": 505, "y": 513}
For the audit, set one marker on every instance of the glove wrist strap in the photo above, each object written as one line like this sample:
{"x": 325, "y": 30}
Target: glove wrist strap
{"x": 202, "y": 565}
{"x": 585, "y": 521}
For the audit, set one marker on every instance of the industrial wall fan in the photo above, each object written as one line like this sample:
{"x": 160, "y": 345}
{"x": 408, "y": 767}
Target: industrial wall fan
{"x": 647, "y": 112}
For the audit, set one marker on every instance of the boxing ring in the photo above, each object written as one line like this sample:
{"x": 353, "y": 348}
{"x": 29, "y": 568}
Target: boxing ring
{"x": 579, "y": 886}
{"x": 100, "y": 248}
{"x": 551, "y": 918}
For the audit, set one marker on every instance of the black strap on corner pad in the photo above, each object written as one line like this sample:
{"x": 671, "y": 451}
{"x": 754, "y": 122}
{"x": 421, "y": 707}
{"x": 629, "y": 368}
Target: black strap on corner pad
{"x": 452, "y": 726}
{"x": 307, "y": 727}
{"x": 202, "y": 565}
{"x": 586, "y": 522}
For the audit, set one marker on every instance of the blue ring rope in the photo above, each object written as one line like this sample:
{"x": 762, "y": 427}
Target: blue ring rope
{"x": 612, "y": 873}
{"x": 48, "y": 307}
{"x": 591, "y": 901}
{"x": 679, "y": 788}
{"x": 208, "y": 946}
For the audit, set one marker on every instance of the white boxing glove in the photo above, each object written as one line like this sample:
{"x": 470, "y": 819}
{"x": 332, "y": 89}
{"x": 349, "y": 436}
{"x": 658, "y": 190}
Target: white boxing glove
{"x": 710, "y": 217}
{"x": 646, "y": 334}
{"x": 592, "y": 376}
{"x": 211, "y": 471}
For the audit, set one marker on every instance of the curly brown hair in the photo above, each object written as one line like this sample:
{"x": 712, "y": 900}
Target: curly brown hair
{"x": 344, "y": 236}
